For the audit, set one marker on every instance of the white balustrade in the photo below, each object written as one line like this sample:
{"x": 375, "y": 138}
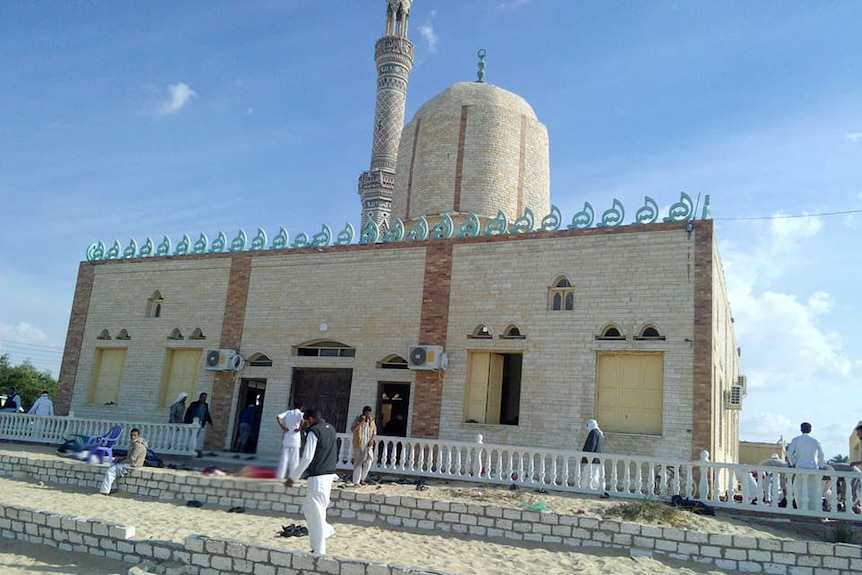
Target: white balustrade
{"x": 163, "y": 438}
{"x": 776, "y": 490}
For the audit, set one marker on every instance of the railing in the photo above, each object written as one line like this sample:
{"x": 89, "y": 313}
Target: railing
{"x": 774, "y": 490}
{"x": 163, "y": 438}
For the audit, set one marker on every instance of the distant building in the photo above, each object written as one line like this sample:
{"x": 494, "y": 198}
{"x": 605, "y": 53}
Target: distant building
{"x": 541, "y": 327}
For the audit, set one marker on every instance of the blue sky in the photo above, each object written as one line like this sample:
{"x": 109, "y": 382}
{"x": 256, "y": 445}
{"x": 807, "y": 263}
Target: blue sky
{"x": 135, "y": 120}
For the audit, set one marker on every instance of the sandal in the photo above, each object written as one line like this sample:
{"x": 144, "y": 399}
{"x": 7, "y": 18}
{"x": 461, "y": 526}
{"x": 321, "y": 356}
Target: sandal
{"x": 236, "y": 510}
{"x": 194, "y": 503}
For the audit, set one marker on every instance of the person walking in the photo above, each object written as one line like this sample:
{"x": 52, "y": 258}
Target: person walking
{"x": 364, "y": 431}
{"x": 199, "y": 410}
{"x": 804, "y": 452}
{"x": 137, "y": 454}
{"x": 595, "y": 443}
{"x": 178, "y": 409}
{"x": 42, "y": 406}
{"x": 13, "y": 401}
{"x": 290, "y": 423}
{"x": 319, "y": 458}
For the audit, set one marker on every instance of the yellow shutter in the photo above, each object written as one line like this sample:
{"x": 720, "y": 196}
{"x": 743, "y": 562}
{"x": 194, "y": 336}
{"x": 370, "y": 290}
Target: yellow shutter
{"x": 477, "y": 386}
{"x": 630, "y": 392}
{"x": 495, "y": 389}
{"x": 182, "y": 374}
{"x": 108, "y": 373}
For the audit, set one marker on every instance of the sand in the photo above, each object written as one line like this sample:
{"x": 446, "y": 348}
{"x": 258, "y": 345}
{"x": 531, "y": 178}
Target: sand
{"x": 449, "y": 553}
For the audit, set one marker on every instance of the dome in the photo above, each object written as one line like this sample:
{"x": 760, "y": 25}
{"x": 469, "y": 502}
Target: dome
{"x": 476, "y": 93}
{"x": 476, "y": 148}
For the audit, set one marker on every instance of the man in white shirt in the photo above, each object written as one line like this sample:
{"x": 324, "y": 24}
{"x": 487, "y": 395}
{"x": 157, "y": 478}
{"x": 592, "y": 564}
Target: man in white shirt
{"x": 42, "y": 406}
{"x": 290, "y": 423}
{"x": 804, "y": 452}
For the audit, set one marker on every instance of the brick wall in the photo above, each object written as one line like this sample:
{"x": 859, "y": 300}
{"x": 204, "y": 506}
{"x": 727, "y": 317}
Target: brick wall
{"x": 74, "y": 338}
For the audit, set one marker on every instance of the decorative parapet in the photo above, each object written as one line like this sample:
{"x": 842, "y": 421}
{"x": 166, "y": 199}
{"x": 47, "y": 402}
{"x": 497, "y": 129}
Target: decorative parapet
{"x": 419, "y": 229}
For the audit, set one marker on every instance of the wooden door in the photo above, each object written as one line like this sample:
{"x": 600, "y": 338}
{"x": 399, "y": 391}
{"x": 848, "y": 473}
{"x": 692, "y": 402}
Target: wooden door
{"x": 325, "y": 389}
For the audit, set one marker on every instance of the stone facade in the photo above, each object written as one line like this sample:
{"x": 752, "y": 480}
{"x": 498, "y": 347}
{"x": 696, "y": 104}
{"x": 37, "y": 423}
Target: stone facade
{"x": 436, "y": 293}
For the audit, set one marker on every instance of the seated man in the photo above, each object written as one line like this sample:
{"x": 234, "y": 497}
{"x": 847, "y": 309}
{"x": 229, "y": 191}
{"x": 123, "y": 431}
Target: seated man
{"x": 135, "y": 459}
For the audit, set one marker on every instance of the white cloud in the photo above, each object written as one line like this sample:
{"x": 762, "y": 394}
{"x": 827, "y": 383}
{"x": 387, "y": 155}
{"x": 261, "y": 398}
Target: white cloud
{"x": 22, "y": 333}
{"x": 180, "y": 93}
{"x": 427, "y": 32}
{"x": 854, "y": 136}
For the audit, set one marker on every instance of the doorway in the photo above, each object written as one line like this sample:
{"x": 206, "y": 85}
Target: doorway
{"x": 393, "y": 406}
{"x": 325, "y": 389}
{"x": 249, "y": 406}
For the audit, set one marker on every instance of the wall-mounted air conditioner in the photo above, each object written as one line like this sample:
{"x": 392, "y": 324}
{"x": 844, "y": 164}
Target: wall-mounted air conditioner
{"x": 222, "y": 360}
{"x": 425, "y": 357}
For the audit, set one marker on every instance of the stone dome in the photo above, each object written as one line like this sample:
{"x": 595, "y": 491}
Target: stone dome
{"x": 476, "y": 148}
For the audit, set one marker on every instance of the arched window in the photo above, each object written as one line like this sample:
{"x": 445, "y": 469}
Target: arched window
{"x": 512, "y": 332}
{"x": 104, "y": 334}
{"x": 481, "y": 331}
{"x": 197, "y": 334}
{"x": 392, "y": 361}
{"x": 561, "y": 295}
{"x": 649, "y": 332}
{"x": 176, "y": 334}
{"x": 124, "y": 335}
{"x": 154, "y": 304}
{"x": 611, "y": 333}
{"x": 325, "y": 348}
{"x": 259, "y": 359}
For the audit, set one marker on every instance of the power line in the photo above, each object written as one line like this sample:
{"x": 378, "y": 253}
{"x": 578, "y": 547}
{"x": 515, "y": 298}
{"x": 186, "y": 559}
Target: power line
{"x": 26, "y": 344}
{"x": 786, "y": 216}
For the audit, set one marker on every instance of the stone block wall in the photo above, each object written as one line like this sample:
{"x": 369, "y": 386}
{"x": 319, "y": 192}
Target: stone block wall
{"x": 211, "y": 557}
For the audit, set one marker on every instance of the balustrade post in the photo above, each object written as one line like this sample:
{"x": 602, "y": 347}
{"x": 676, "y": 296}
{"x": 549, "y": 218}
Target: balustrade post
{"x": 703, "y": 490}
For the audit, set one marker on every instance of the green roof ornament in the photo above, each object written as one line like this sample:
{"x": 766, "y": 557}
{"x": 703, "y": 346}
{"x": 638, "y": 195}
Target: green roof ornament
{"x": 480, "y": 75}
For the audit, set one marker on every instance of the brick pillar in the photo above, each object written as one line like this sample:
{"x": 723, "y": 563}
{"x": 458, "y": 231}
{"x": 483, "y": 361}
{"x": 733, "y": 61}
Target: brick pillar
{"x": 74, "y": 338}
{"x": 231, "y": 338}
{"x": 433, "y": 327}
{"x": 702, "y": 435}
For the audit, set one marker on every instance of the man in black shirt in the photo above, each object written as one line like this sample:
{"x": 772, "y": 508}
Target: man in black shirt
{"x": 319, "y": 458}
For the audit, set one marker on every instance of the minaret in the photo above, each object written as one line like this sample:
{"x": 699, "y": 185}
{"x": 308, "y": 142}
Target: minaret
{"x": 393, "y": 54}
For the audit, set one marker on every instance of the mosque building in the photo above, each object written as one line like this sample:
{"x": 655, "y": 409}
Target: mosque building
{"x": 491, "y": 314}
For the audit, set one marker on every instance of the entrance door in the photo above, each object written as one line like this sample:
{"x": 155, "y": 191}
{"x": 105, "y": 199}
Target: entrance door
{"x": 393, "y": 405}
{"x": 249, "y": 406}
{"x": 325, "y": 389}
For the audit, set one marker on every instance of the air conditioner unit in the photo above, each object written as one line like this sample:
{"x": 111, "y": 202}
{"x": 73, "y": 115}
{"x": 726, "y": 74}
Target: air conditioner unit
{"x": 223, "y": 360}
{"x": 734, "y": 400}
{"x": 742, "y": 382}
{"x": 425, "y": 357}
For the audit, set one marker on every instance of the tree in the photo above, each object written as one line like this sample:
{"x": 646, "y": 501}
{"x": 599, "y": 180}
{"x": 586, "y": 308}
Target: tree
{"x": 839, "y": 459}
{"x": 26, "y": 379}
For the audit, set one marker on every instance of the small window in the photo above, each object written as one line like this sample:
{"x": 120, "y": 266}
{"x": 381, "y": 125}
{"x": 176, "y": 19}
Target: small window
{"x": 326, "y": 348}
{"x": 124, "y": 335}
{"x": 650, "y": 333}
{"x": 259, "y": 360}
{"x": 562, "y": 295}
{"x": 197, "y": 334}
{"x": 104, "y": 334}
{"x": 481, "y": 331}
{"x": 611, "y": 333}
{"x": 176, "y": 334}
{"x": 392, "y": 362}
{"x": 154, "y": 304}
{"x": 512, "y": 332}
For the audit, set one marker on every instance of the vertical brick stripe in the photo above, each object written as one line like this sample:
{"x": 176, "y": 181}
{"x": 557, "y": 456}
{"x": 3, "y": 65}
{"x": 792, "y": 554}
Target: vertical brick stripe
{"x": 231, "y": 337}
{"x": 433, "y": 328}
{"x": 702, "y": 436}
{"x": 412, "y": 160}
{"x": 522, "y": 154}
{"x": 459, "y": 163}
{"x": 74, "y": 338}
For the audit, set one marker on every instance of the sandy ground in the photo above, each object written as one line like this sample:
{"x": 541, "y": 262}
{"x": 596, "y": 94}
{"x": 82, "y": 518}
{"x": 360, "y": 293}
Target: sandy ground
{"x": 17, "y": 558}
{"x": 158, "y": 520}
